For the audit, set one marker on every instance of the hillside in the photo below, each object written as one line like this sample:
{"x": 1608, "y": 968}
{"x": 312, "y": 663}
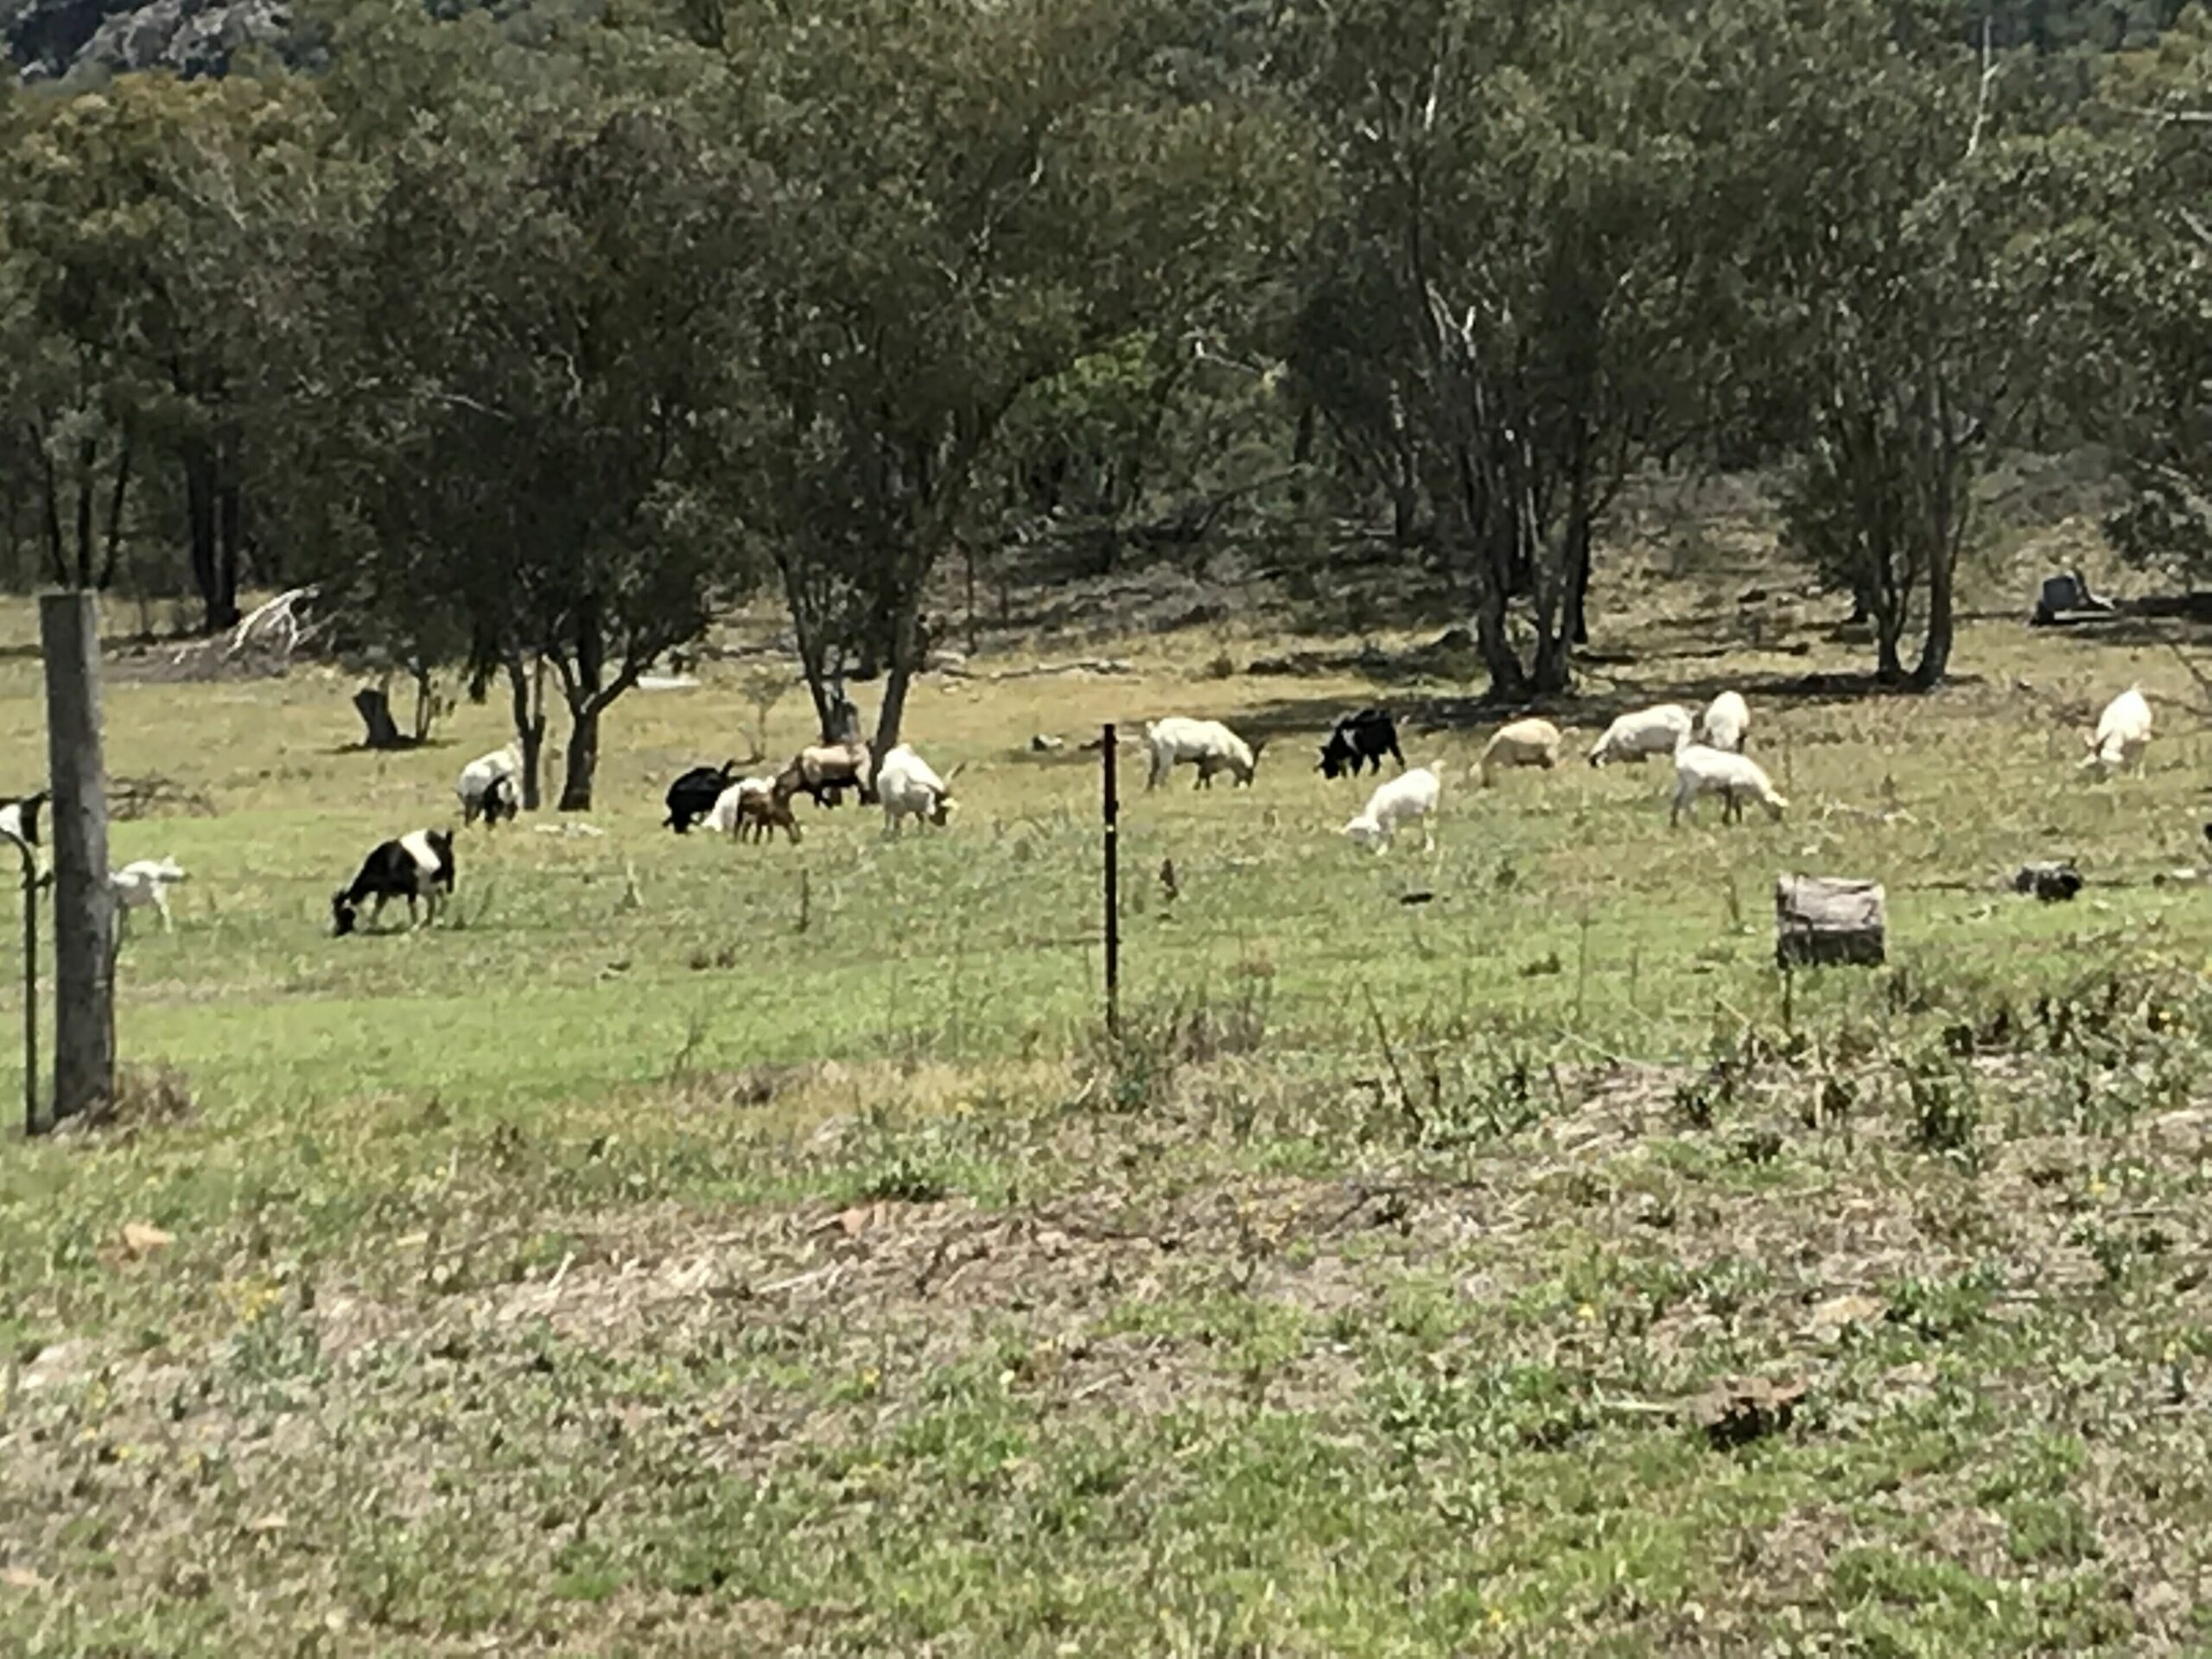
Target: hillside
{"x": 48, "y": 38}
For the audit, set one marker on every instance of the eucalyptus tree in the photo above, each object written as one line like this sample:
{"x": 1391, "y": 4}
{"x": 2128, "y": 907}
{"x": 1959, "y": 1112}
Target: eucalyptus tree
{"x": 971, "y": 201}
{"x": 538, "y": 323}
{"x": 1879, "y": 191}
{"x": 144, "y": 240}
{"x": 1512, "y": 306}
{"x": 2114, "y": 289}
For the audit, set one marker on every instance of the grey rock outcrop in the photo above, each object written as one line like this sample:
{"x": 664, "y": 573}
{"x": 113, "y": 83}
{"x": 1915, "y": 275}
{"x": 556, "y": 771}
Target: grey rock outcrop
{"x": 49, "y": 40}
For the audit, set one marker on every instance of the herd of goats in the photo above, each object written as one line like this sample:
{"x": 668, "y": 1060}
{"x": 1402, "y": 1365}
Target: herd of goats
{"x": 1707, "y": 751}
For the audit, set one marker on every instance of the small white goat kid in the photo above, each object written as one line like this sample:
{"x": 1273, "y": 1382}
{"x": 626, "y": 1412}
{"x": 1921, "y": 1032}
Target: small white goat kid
{"x": 1644, "y": 732}
{"x": 2123, "y": 732}
{"x": 1207, "y": 744}
{"x": 1702, "y": 770}
{"x": 726, "y": 814}
{"x": 140, "y": 885}
{"x": 1727, "y": 722}
{"x": 909, "y": 788}
{"x": 1409, "y": 797}
{"x": 1530, "y": 742}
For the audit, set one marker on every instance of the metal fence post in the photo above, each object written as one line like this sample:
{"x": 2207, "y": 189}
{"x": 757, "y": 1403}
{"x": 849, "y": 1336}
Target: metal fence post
{"x": 1108, "y": 752}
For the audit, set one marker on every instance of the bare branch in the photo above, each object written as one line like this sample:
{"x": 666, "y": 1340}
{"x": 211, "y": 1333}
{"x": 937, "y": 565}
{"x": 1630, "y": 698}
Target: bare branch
{"x": 2164, "y": 118}
{"x": 1989, "y": 68}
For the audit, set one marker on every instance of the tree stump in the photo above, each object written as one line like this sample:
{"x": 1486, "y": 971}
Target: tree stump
{"x": 1822, "y": 919}
{"x": 375, "y": 710}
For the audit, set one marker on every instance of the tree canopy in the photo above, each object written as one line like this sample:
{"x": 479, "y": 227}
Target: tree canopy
{"x": 539, "y": 337}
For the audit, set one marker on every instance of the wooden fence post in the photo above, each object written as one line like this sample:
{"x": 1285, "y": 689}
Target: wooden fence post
{"x": 83, "y": 909}
{"x": 1108, "y": 752}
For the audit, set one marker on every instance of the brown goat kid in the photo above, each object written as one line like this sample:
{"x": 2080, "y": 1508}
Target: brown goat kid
{"x": 762, "y": 812}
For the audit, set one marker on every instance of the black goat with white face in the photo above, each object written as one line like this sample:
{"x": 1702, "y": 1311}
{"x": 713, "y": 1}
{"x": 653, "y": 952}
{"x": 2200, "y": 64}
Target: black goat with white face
{"x": 418, "y": 865}
{"x": 1359, "y": 739}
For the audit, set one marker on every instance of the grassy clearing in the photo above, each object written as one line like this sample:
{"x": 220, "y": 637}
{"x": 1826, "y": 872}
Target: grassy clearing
{"x": 629, "y": 1269}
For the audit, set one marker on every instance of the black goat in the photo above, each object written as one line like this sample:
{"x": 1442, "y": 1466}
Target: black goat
{"x": 501, "y": 800}
{"x": 691, "y": 796}
{"x": 1359, "y": 738}
{"x": 418, "y": 865}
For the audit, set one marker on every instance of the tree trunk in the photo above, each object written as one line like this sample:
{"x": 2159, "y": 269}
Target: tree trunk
{"x": 583, "y": 753}
{"x": 230, "y": 526}
{"x": 52, "y": 489}
{"x": 115, "y": 513}
{"x": 1553, "y": 672}
{"x": 88, "y": 451}
{"x": 1888, "y": 667}
{"x": 1936, "y": 648}
{"x": 1301, "y": 449}
{"x": 584, "y": 685}
{"x": 426, "y": 700}
{"x": 907, "y": 652}
{"x": 1578, "y": 587}
{"x": 199, "y": 464}
{"x": 1405, "y": 511}
{"x": 1507, "y": 681}
{"x": 375, "y": 710}
{"x": 528, "y": 705}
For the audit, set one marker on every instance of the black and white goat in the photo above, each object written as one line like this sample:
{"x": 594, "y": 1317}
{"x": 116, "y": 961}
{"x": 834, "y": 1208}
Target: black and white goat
{"x": 1358, "y": 739}
{"x": 19, "y": 818}
{"x": 489, "y": 787}
{"x": 418, "y": 865}
{"x": 692, "y": 796}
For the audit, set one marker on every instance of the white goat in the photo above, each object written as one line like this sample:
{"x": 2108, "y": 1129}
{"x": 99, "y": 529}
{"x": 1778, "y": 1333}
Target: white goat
{"x": 727, "y": 816}
{"x": 1409, "y": 796}
{"x": 1701, "y": 769}
{"x": 139, "y": 886}
{"x": 2123, "y": 732}
{"x": 909, "y": 789}
{"x": 1207, "y": 744}
{"x": 1641, "y": 733}
{"x": 1530, "y": 742}
{"x": 1727, "y": 722}
{"x": 490, "y": 785}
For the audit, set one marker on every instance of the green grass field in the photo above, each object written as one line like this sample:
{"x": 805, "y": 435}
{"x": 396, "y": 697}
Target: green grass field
{"x": 698, "y": 1248}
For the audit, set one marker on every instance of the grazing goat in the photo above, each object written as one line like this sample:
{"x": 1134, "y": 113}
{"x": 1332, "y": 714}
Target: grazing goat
{"x": 2123, "y": 732}
{"x": 1701, "y": 770}
{"x": 1727, "y": 722}
{"x": 908, "y": 788}
{"x": 418, "y": 865}
{"x": 691, "y": 796}
{"x": 1402, "y": 800}
{"x": 761, "y": 811}
{"x": 1207, "y": 744}
{"x": 725, "y": 816}
{"x": 1530, "y": 742}
{"x": 490, "y": 786}
{"x": 1358, "y": 739}
{"x": 1645, "y": 732}
{"x": 824, "y": 771}
{"x": 19, "y": 819}
{"x": 140, "y": 885}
